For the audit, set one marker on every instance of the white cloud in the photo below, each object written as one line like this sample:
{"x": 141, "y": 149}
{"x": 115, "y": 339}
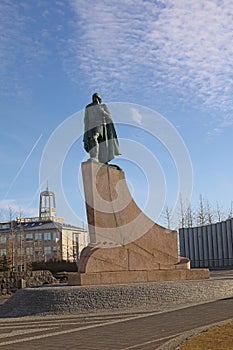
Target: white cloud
{"x": 153, "y": 48}
{"x": 137, "y": 117}
{"x": 12, "y": 208}
{"x": 25, "y": 43}
{"x": 156, "y": 47}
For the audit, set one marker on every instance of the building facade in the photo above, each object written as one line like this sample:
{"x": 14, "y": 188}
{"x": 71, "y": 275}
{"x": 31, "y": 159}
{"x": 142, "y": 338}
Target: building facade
{"x": 41, "y": 239}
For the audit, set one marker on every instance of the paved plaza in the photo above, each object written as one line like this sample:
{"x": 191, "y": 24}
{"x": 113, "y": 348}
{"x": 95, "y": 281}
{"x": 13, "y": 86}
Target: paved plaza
{"x": 139, "y": 330}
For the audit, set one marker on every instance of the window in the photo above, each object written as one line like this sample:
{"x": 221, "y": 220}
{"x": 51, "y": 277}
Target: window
{"x": 29, "y": 237}
{"x": 38, "y": 236}
{"x": 29, "y": 251}
{"x": 56, "y": 237}
{"x": 47, "y": 236}
{"x": 2, "y": 252}
{"x": 47, "y": 251}
{"x": 3, "y": 239}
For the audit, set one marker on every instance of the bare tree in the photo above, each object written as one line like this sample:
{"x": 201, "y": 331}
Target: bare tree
{"x": 182, "y": 212}
{"x": 11, "y": 239}
{"x": 209, "y": 213}
{"x": 189, "y": 217}
{"x": 186, "y": 214}
{"x": 168, "y": 217}
{"x": 230, "y": 213}
{"x": 11, "y": 213}
{"x": 219, "y": 213}
{"x": 203, "y": 215}
{"x": 21, "y": 213}
{"x": 201, "y": 212}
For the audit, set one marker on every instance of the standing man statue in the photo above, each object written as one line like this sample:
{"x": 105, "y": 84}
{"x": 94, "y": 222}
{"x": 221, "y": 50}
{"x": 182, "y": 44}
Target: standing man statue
{"x": 100, "y": 138}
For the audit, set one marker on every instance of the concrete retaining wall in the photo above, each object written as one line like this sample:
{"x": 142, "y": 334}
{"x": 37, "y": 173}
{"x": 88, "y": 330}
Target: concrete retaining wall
{"x": 76, "y": 299}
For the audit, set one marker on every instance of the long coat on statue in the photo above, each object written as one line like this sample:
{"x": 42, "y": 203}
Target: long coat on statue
{"x": 98, "y": 120}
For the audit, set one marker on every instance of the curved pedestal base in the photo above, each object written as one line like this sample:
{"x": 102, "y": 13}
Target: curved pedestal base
{"x": 126, "y": 246}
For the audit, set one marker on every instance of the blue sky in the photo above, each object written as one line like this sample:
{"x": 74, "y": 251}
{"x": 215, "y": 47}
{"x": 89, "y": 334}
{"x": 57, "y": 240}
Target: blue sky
{"x": 172, "y": 57}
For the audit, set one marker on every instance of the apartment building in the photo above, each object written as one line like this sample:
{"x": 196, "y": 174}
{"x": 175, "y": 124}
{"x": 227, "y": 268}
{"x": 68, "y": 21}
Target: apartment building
{"x": 43, "y": 238}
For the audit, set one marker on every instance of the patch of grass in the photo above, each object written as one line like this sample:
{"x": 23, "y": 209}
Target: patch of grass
{"x": 217, "y": 338}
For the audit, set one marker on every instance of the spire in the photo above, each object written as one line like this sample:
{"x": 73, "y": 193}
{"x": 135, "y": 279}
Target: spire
{"x": 47, "y": 204}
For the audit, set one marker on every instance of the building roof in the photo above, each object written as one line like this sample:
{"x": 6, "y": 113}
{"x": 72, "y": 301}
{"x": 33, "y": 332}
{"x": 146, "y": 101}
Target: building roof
{"x": 38, "y": 225}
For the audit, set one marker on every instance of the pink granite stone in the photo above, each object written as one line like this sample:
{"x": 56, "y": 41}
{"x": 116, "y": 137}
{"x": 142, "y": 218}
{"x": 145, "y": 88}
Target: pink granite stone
{"x": 126, "y": 246}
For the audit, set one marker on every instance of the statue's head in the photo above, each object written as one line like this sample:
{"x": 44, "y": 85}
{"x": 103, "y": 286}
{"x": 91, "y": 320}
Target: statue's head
{"x": 96, "y": 98}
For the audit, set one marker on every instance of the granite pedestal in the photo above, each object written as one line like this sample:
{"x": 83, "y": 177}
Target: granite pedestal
{"x": 126, "y": 246}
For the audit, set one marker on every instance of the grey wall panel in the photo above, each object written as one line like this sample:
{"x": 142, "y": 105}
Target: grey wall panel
{"x": 205, "y": 247}
{"x": 224, "y": 243}
{"x": 229, "y": 241}
{"x": 220, "y": 244}
{"x": 210, "y": 246}
{"x": 196, "y": 262}
{"x": 200, "y": 246}
{"x": 186, "y": 238}
{"x": 215, "y": 244}
{"x": 191, "y": 245}
{"x": 182, "y": 242}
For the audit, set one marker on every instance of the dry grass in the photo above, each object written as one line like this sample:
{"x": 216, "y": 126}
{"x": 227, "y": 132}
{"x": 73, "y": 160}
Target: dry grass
{"x": 217, "y": 338}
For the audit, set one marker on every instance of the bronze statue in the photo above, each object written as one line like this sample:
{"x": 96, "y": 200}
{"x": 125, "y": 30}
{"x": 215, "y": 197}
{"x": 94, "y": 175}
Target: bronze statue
{"x": 100, "y": 138}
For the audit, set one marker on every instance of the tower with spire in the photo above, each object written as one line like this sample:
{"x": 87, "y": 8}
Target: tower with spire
{"x": 47, "y": 204}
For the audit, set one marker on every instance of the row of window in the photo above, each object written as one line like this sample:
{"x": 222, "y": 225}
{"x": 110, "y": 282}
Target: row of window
{"x": 46, "y": 236}
{"x": 5, "y": 226}
{"x": 29, "y": 251}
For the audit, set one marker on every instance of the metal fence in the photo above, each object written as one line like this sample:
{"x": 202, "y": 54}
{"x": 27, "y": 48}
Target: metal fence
{"x": 208, "y": 246}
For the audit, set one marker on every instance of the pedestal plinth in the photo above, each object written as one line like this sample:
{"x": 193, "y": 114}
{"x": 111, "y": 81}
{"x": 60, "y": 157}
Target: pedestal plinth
{"x": 126, "y": 246}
